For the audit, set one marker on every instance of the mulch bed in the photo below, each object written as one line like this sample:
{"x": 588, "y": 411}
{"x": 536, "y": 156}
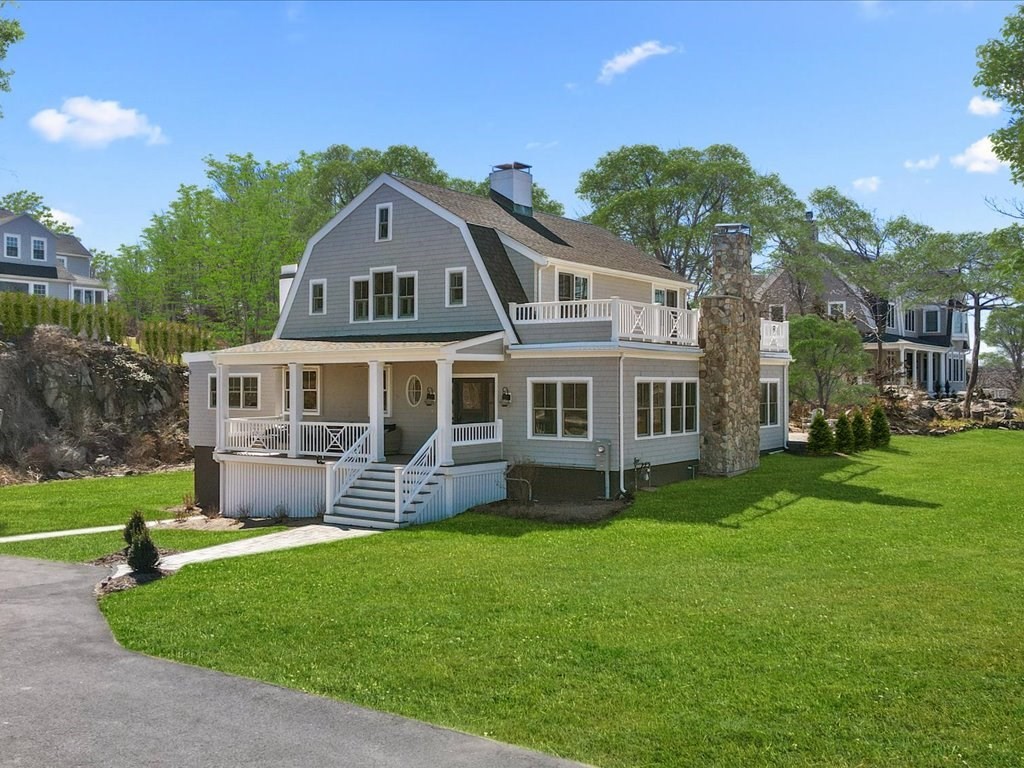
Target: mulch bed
{"x": 558, "y": 511}
{"x": 110, "y": 585}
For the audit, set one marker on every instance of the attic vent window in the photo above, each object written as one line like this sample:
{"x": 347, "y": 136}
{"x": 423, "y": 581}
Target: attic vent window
{"x": 383, "y": 222}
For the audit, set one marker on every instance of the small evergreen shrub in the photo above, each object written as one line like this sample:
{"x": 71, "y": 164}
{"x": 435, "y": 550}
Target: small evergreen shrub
{"x": 134, "y": 528}
{"x": 880, "y": 431}
{"x": 861, "y": 434}
{"x": 844, "y": 435}
{"x": 820, "y": 440}
{"x": 142, "y": 554}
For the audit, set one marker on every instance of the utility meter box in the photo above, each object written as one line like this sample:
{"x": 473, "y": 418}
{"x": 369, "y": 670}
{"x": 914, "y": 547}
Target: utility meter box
{"x": 603, "y": 455}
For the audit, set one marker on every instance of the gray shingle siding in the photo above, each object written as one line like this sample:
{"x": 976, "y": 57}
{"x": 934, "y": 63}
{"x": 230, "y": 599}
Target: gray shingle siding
{"x": 421, "y": 242}
{"x": 665, "y": 449}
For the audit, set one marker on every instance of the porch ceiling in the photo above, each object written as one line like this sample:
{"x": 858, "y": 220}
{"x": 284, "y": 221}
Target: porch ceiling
{"x": 279, "y": 351}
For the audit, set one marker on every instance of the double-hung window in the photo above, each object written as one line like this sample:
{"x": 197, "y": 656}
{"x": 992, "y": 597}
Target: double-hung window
{"x": 909, "y": 321}
{"x": 360, "y": 299}
{"x": 243, "y": 391}
{"x": 39, "y": 289}
{"x": 931, "y": 321}
{"x": 385, "y": 294}
{"x": 665, "y": 407}
{"x": 38, "y": 249}
{"x": 837, "y": 309}
{"x": 383, "y": 230}
{"x": 12, "y": 246}
{"x": 455, "y": 287}
{"x": 310, "y": 390}
{"x": 769, "y": 412}
{"x": 890, "y": 316}
{"x": 560, "y": 408}
{"x": 318, "y": 297}
{"x": 407, "y": 296}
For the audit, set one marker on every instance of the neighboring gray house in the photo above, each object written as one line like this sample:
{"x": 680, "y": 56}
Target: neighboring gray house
{"x": 435, "y": 338}
{"x": 40, "y": 262}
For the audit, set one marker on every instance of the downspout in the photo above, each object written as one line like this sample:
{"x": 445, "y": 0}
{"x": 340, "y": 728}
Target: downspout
{"x": 622, "y": 429}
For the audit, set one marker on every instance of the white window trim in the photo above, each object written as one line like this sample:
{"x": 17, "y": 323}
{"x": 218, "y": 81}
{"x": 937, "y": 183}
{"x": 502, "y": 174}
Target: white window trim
{"x": 836, "y": 304}
{"x": 32, "y": 289}
{"x": 408, "y": 383}
{"x": 32, "y": 248}
{"x": 891, "y": 313}
{"x": 395, "y": 295}
{"x": 910, "y": 327}
{"x": 376, "y": 222}
{"x": 679, "y": 296}
{"x": 63, "y": 261}
{"x": 352, "y": 298}
{"x": 668, "y": 382}
{"x": 497, "y": 394}
{"x": 415, "y": 275}
{"x": 588, "y": 380}
{"x": 924, "y": 323}
{"x": 319, "y": 390}
{"x": 575, "y": 273}
{"x": 16, "y": 237}
{"x": 322, "y": 282}
{"x": 259, "y": 391}
{"x": 783, "y": 306}
{"x": 448, "y": 287}
{"x": 778, "y": 402}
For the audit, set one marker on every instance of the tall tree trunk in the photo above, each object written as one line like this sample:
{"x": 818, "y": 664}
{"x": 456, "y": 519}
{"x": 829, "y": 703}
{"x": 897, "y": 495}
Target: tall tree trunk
{"x": 972, "y": 379}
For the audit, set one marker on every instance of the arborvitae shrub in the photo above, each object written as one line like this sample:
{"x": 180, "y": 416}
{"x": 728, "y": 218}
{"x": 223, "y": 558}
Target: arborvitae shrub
{"x": 820, "y": 440}
{"x": 135, "y": 527}
{"x": 142, "y": 553}
{"x": 844, "y": 435}
{"x": 861, "y": 434}
{"x": 880, "y": 431}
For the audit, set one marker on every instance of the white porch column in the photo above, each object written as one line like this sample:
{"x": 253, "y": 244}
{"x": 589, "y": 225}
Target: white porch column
{"x": 295, "y": 409}
{"x": 930, "y": 371}
{"x": 444, "y": 412}
{"x": 943, "y": 369}
{"x": 375, "y": 397}
{"x": 221, "y": 377}
{"x": 913, "y": 365}
{"x": 903, "y": 367}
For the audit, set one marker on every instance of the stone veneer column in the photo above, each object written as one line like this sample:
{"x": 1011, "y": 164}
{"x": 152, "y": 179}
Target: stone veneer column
{"x": 730, "y": 371}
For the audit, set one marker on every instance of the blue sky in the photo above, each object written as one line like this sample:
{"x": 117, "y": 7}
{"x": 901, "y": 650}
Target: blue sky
{"x": 114, "y": 105}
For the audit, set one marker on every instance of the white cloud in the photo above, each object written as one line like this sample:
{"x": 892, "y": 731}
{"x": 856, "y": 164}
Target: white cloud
{"x": 867, "y": 184}
{"x": 92, "y": 123}
{"x": 66, "y": 218}
{"x": 623, "y": 62}
{"x": 979, "y": 105}
{"x": 980, "y": 157}
{"x": 925, "y": 164}
{"x": 541, "y": 144}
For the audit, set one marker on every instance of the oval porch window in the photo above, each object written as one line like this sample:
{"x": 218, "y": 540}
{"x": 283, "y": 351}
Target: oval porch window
{"x": 414, "y": 390}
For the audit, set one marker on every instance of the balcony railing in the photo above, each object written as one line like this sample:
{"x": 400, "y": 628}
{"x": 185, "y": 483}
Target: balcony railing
{"x": 628, "y": 320}
{"x": 273, "y": 435}
{"x": 774, "y": 336}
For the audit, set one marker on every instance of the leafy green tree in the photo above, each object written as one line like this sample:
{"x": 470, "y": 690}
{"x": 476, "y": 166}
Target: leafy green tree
{"x": 10, "y": 33}
{"x": 827, "y": 355}
{"x": 667, "y": 202}
{"x": 880, "y": 260}
{"x": 1000, "y": 76}
{"x": 861, "y": 433}
{"x": 31, "y": 203}
{"x": 821, "y": 441}
{"x": 844, "y": 434}
{"x": 1004, "y": 331}
{"x": 880, "y": 431}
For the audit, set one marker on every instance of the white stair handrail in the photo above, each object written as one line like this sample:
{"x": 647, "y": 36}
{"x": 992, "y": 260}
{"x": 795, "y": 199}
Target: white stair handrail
{"x": 346, "y": 470}
{"x": 411, "y": 478}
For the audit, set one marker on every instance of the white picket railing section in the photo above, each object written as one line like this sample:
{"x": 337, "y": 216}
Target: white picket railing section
{"x": 347, "y": 469}
{"x": 774, "y": 336}
{"x": 322, "y": 437}
{"x": 477, "y": 434}
{"x": 411, "y": 478}
{"x": 269, "y": 435}
{"x": 631, "y": 320}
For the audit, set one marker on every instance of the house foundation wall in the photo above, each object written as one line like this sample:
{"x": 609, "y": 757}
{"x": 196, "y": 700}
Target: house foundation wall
{"x": 575, "y": 484}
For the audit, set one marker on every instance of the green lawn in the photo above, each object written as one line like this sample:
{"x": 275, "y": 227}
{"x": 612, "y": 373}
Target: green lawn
{"x": 65, "y": 504}
{"x": 83, "y": 549}
{"x": 826, "y": 612}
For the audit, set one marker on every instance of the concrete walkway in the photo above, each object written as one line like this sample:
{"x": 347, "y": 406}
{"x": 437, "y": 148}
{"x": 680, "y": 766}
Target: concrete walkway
{"x": 78, "y": 531}
{"x": 302, "y": 536}
{"x": 71, "y": 696}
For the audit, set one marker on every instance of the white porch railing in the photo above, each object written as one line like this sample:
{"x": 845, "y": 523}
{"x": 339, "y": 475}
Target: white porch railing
{"x": 774, "y": 336}
{"x": 269, "y": 435}
{"x": 347, "y": 469}
{"x": 414, "y": 475}
{"x": 322, "y": 437}
{"x": 477, "y": 434}
{"x": 630, "y": 320}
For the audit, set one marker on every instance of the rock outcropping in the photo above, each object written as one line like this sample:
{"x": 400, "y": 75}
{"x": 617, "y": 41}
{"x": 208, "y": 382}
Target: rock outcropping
{"x": 70, "y": 405}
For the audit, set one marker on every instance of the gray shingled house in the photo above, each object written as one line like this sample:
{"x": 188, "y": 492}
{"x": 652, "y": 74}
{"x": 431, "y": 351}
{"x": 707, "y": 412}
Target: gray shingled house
{"x": 435, "y": 338}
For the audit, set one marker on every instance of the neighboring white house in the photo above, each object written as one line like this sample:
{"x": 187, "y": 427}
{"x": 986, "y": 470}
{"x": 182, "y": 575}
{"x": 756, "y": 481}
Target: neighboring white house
{"x": 434, "y": 338}
{"x": 37, "y": 261}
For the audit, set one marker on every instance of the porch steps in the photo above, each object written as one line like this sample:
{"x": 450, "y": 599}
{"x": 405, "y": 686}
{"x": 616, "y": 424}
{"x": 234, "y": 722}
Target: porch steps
{"x": 370, "y": 502}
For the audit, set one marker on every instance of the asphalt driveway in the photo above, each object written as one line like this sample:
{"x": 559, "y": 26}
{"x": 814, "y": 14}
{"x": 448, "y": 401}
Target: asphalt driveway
{"x": 71, "y": 696}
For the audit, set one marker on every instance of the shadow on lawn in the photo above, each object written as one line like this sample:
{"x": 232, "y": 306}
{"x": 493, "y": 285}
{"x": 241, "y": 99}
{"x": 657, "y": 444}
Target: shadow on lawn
{"x": 733, "y": 502}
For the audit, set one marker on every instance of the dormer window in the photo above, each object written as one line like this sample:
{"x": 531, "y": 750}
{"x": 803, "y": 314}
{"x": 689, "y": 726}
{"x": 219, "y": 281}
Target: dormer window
{"x": 318, "y": 297}
{"x": 12, "y": 246}
{"x": 383, "y": 222}
{"x": 931, "y": 321}
{"x": 38, "y": 249}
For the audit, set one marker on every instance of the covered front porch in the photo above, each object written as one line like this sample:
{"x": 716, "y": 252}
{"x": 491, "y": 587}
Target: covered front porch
{"x": 935, "y": 370}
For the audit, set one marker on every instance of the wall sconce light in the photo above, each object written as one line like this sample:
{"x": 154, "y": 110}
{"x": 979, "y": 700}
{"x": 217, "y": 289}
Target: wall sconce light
{"x": 431, "y": 397}
{"x": 506, "y": 397}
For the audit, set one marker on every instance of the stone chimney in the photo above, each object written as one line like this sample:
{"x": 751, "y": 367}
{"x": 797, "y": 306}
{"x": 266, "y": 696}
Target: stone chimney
{"x": 730, "y": 371}
{"x": 284, "y": 284}
{"x": 514, "y": 182}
